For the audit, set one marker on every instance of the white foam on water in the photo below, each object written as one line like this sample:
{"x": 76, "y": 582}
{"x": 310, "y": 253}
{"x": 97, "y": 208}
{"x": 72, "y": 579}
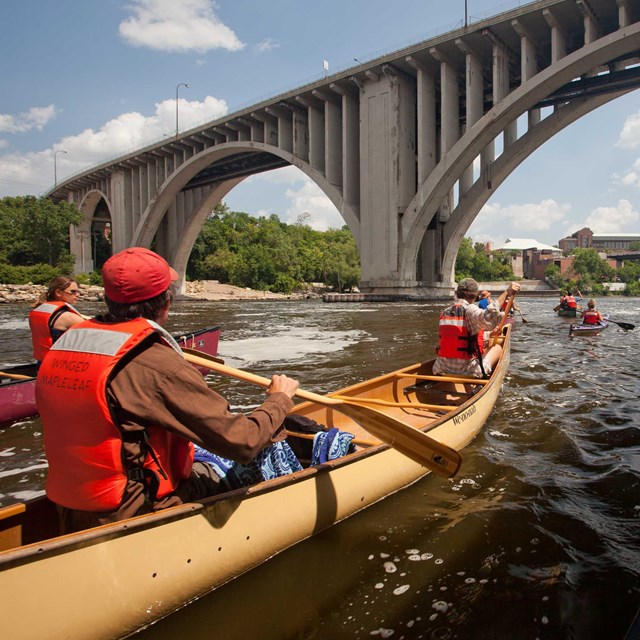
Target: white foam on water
{"x": 389, "y": 567}
{"x": 401, "y": 589}
{"x": 23, "y": 496}
{"x": 15, "y": 472}
{"x": 288, "y": 346}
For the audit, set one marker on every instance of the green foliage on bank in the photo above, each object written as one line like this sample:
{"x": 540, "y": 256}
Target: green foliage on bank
{"x": 474, "y": 262}
{"x": 267, "y": 254}
{"x": 34, "y": 239}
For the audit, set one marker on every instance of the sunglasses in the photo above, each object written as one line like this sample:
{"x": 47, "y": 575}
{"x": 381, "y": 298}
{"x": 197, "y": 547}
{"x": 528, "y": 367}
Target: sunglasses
{"x": 72, "y": 292}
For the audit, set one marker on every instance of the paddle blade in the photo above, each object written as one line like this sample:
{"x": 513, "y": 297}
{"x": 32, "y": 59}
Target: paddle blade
{"x": 439, "y": 458}
{"x": 627, "y": 326}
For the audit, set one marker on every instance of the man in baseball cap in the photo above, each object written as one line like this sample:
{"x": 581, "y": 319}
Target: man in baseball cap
{"x": 135, "y": 275}
{"x": 122, "y": 409}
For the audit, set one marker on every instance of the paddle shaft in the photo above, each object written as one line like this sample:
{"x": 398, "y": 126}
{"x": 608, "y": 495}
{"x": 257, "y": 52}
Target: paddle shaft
{"x": 415, "y": 444}
{"x": 15, "y": 376}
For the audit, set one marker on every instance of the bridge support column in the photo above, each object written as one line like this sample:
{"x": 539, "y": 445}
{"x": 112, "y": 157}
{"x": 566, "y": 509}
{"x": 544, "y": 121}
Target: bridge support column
{"x": 387, "y": 173}
{"x": 120, "y": 234}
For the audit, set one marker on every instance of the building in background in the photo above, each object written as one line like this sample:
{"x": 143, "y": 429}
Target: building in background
{"x": 526, "y": 253}
{"x": 587, "y": 239}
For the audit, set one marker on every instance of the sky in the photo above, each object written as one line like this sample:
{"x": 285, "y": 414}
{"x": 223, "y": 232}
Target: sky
{"x": 84, "y": 82}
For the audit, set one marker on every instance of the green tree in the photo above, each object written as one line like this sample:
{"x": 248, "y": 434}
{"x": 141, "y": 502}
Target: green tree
{"x": 473, "y": 261}
{"x": 265, "y": 253}
{"x": 36, "y": 230}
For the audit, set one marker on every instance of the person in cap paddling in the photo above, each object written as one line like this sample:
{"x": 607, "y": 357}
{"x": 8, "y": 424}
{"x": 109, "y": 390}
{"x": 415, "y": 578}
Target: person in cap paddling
{"x": 122, "y": 409}
{"x": 52, "y": 314}
{"x": 461, "y": 332}
{"x": 591, "y": 315}
{"x": 484, "y": 299}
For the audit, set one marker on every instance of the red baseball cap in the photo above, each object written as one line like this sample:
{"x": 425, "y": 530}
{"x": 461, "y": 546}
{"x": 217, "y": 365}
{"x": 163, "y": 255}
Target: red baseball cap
{"x": 136, "y": 274}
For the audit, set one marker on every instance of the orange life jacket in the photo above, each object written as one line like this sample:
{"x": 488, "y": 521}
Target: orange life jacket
{"x": 571, "y": 302}
{"x": 83, "y": 444}
{"x": 590, "y": 317}
{"x": 455, "y": 341}
{"x": 41, "y": 321}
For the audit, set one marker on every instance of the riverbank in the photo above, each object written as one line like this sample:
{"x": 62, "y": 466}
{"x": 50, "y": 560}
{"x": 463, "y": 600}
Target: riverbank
{"x": 197, "y": 290}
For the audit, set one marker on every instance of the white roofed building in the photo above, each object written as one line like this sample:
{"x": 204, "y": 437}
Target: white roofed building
{"x": 529, "y": 254}
{"x": 523, "y": 244}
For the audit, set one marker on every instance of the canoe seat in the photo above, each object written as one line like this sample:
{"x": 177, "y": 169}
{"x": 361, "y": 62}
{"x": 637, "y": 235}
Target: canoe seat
{"x": 430, "y": 387}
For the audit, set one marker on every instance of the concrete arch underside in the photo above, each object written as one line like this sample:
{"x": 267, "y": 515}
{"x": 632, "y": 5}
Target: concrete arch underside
{"x": 439, "y": 184}
{"x": 472, "y": 202}
{"x": 178, "y": 248}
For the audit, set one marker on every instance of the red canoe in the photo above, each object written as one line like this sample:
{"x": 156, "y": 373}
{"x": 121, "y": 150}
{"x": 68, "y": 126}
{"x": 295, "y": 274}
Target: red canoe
{"x": 18, "y": 383}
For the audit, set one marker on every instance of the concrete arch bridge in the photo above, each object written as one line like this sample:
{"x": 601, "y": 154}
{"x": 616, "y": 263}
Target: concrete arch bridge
{"x": 408, "y": 146}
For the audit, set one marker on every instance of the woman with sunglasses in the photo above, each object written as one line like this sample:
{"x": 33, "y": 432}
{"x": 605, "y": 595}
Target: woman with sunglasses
{"x": 53, "y": 313}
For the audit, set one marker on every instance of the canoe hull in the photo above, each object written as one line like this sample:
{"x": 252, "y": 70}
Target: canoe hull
{"x": 588, "y": 329}
{"x": 198, "y": 547}
{"x": 18, "y": 397}
{"x": 568, "y": 313}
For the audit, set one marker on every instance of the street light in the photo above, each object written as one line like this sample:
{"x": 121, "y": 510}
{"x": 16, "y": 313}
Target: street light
{"x": 55, "y": 166}
{"x": 181, "y": 84}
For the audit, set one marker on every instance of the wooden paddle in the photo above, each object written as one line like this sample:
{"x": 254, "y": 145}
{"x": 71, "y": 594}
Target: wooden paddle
{"x": 496, "y": 333}
{"x": 17, "y": 376}
{"x": 627, "y": 326}
{"x": 411, "y": 442}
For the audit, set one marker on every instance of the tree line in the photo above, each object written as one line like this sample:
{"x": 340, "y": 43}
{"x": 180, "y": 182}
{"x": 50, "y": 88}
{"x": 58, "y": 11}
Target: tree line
{"x": 260, "y": 252}
{"x": 232, "y": 247}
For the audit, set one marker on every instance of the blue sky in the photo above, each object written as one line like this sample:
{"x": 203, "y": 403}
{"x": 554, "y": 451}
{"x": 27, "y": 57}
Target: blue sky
{"x": 98, "y": 78}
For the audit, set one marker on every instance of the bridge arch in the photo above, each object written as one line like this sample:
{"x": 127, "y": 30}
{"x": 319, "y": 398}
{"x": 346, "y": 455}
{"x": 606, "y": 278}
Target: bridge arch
{"x": 438, "y": 185}
{"x": 179, "y": 247}
{"x": 465, "y": 213}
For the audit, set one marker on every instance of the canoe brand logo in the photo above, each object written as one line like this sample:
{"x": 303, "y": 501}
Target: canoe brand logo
{"x": 464, "y": 415}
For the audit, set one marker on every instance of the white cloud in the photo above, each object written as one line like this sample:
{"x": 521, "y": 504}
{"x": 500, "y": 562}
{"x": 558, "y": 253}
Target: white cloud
{"x": 34, "y": 118}
{"x": 621, "y": 218}
{"x": 285, "y": 175}
{"x": 309, "y": 198}
{"x": 125, "y": 133}
{"x": 527, "y": 217}
{"x": 631, "y": 178}
{"x": 629, "y": 137}
{"x": 267, "y": 45}
{"x": 187, "y": 25}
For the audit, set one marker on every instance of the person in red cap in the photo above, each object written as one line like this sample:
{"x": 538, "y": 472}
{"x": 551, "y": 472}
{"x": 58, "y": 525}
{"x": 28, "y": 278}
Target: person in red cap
{"x": 121, "y": 408}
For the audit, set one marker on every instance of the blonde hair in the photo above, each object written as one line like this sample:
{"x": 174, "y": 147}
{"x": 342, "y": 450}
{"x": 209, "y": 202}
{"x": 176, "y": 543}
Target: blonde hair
{"x": 591, "y": 304}
{"x": 59, "y": 282}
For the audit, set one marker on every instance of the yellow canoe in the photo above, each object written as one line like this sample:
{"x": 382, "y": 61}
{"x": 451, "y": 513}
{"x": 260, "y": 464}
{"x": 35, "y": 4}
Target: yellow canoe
{"x": 109, "y": 581}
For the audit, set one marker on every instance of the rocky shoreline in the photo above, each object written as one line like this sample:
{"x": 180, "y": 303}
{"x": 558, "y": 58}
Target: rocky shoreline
{"x": 197, "y": 290}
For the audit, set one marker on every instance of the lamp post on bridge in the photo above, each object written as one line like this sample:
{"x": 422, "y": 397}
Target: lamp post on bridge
{"x": 181, "y": 84}
{"x": 55, "y": 166}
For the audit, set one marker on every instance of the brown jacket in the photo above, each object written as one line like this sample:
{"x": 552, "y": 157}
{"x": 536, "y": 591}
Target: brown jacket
{"x": 159, "y": 387}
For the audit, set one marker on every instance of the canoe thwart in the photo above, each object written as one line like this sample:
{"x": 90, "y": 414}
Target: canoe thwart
{"x": 437, "y": 378}
{"x": 400, "y": 405}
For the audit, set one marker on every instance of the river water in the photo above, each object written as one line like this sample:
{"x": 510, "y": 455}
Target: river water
{"x": 537, "y": 537}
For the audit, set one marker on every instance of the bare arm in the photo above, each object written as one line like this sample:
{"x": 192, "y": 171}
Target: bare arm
{"x": 66, "y": 320}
